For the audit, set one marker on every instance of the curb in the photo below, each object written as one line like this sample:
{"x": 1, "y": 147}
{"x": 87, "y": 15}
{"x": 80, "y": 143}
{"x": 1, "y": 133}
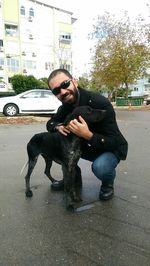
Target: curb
{"x": 23, "y": 120}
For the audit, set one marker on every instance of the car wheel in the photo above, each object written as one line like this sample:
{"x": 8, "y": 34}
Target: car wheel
{"x": 11, "y": 109}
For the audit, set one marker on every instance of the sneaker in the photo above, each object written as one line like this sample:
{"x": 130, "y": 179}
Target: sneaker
{"x": 106, "y": 192}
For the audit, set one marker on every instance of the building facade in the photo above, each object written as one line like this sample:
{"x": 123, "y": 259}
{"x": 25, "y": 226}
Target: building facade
{"x": 141, "y": 87}
{"x": 35, "y": 38}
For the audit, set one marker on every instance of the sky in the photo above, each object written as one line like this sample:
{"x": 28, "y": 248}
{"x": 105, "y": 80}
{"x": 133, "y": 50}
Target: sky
{"x": 86, "y": 13}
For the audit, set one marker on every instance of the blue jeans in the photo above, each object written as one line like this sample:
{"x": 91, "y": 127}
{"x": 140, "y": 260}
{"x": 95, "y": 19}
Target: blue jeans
{"x": 104, "y": 166}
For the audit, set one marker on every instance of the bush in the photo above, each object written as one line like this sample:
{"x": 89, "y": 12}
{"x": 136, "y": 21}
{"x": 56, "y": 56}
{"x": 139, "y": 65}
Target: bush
{"x": 23, "y": 83}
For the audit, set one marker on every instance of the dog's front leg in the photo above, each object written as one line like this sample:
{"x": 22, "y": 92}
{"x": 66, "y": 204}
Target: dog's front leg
{"x": 68, "y": 188}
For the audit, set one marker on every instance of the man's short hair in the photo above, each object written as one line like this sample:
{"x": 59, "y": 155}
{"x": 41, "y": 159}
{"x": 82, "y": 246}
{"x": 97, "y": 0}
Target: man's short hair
{"x": 58, "y": 71}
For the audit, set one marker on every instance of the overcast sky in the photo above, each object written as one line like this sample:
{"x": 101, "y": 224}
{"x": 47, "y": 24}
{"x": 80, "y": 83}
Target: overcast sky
{"x": 86, "y": 11}
{"x": 88, "y": 8}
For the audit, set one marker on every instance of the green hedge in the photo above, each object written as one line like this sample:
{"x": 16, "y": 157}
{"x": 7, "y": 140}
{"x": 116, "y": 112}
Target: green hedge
{"x": 130, "y": 101}
{"x": 7, "y": 93}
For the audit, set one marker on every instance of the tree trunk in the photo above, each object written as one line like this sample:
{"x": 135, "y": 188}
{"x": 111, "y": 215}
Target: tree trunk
{"x": 127, "y": 90}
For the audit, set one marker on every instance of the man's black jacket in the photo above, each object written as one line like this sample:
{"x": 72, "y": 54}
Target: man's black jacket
{"x": 106, "y": 134}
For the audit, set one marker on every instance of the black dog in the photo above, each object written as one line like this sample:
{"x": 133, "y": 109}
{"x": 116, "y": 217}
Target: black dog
{"x": 63, "y": 150}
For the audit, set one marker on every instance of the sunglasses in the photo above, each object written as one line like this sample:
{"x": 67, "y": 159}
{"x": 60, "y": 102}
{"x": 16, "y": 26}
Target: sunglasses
{"x": 64, "y": 85}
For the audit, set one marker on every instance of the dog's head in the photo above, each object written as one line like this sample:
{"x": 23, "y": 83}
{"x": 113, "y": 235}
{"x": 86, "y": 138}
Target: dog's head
{"x": 89, "y": 114}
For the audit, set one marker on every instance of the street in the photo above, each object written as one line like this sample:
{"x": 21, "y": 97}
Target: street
{"x": 39, "y": 231}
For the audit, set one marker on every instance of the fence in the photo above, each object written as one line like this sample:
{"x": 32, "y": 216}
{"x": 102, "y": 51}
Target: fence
{"x": 130, "y": 101}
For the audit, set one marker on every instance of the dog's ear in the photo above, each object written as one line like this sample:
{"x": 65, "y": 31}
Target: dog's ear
{"x": 69, "y": 118}
{"x": 89, "y": 114}
{"x": 80, "y": 110}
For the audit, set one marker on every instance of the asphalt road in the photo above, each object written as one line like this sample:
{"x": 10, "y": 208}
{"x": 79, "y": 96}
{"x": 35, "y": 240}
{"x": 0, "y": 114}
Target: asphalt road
{"x": 39, "y": 231}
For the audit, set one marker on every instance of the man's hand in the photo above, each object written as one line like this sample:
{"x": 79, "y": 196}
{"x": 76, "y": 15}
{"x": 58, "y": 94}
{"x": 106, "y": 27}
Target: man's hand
{"x": 80, "y": 128}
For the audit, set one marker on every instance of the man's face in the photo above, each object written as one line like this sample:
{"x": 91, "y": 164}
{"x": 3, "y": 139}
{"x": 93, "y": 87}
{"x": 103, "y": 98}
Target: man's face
{"x": 64, "y": 88}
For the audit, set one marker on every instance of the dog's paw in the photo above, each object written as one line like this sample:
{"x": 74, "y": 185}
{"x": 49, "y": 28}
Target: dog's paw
{"x": 29, "y": 193}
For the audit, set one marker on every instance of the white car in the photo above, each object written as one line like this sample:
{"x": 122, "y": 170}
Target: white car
{"x": 40, "y": 101}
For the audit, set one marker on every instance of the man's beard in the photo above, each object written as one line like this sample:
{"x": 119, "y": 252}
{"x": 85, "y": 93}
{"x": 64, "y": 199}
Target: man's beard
{"x": 72, "y": 99}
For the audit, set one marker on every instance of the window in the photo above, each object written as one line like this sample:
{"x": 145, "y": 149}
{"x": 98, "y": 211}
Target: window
{"x": 2, "y": 83}
{"x": 11, "y": 30}
{"x": 1, "y": 79}
{"x": 47, "y": 94}
{"x": 1, "y": 43}
{"x": 31, "y": 12}
{"x": 9, "y": 79}
{"x": 29, "y": 64}
{"x": 33, "y": 94}
{"x": 13, "y": 64}
{"x": 49, "y": 65}
{"x": 65, "y": 66}
{"x": 1, "y": 61}
{"x": 65, "y": 37}
{"x": 22, "y": 11}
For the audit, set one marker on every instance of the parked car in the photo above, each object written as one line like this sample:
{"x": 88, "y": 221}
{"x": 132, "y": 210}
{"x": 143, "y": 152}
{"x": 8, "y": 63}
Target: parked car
{"x": 40, "y": 101}
{"x": 147, "y": 101}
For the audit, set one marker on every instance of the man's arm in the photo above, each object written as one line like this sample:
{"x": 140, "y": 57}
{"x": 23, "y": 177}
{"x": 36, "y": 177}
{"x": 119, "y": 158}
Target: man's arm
{"x": 55, "y": 120}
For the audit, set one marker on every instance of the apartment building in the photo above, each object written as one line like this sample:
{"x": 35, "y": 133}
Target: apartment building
{"x": 141, "y": 86}
{"x": 35, "y": 38}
